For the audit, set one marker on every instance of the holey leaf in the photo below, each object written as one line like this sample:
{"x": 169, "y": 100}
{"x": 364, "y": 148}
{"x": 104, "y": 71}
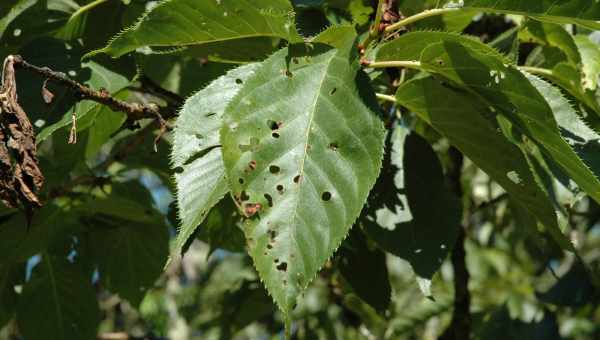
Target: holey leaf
{"x": 196, "y": 152}
{"x": 192, "y": 22}
{"x": 302, "y": 146}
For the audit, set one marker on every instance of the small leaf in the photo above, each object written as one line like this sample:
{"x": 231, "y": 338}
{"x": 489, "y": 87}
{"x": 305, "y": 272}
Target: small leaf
{"x": 201, "y": 182}
{"x": 58, "y": 303}
{"x": 301, "y": 151}
{"x": 189, "y": 22}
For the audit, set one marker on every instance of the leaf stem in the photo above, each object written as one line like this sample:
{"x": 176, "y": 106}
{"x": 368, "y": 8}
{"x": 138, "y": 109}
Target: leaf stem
{"x": 87, "y": 7}
{"x": 537, "y": 70}
{"x": 396, "y": 63}
{"x": 419, "y": 16}
{"x": 374, "y": 32}
{"x": 385, "y": 97}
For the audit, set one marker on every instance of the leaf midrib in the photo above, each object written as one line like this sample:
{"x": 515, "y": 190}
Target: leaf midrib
{"x": 293, "y": 215}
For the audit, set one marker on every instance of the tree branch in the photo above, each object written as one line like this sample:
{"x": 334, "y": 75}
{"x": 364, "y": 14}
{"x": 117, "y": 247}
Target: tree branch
{"x": 134, "y": 111}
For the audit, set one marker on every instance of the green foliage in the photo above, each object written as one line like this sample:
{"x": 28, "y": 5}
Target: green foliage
{"x": 321, "y": 169}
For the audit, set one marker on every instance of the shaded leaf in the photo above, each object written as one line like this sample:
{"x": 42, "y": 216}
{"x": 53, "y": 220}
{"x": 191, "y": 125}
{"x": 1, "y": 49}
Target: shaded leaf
{"x": 468, "y": 130}
{"x": 10, "y": 276}
{"x": 47, "y": 308}
{"x": 365, "y": 270}
{"x": 412, "y": 213}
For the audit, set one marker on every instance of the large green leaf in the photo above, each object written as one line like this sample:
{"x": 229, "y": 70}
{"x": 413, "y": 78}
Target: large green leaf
{"x": 412, "y": 212}
{"x": 460, "y": 118}
{"x": 582, "y": 12}
{"x": 58, "y": 303}
{"x": 301, "y": 149}
{"x": 191, "y": 22}
{"x": 196, "y": 153}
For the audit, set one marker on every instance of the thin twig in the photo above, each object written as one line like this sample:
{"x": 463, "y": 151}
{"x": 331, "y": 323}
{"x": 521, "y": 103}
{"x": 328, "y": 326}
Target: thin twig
{"x": 417, "y": 17}
{"x": 396, "y": 63}
{"x": 134, "y": 111}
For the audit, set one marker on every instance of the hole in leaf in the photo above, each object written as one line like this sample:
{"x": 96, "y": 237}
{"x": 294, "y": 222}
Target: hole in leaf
{"x": 210, "y": 114}
{"x": 269, "y": 246}
{"x": 272, "y": 234}
{"x": 333, "y": 91}
{"x": 269, "y": 199}
{"x": 326, "y": 196}
{"x": 280, "y": 188}
{"x": 274, "y": 169}
{"x": 244, "y": 196}
{"x": 297, "y": 179}
{"x": 276, "y": 260}
{"x": 178, "y": 170}
{"x": 239, "y": 81}
{"x": 289, "y": 74}
{"x": 273, "y": 125}
{"x": 275, "y": 135}
{"x": 241, "y": 180}
{"x": 295, "y": 60}
{"x": 282, "y": 266}
{"x": 333, "y": 146}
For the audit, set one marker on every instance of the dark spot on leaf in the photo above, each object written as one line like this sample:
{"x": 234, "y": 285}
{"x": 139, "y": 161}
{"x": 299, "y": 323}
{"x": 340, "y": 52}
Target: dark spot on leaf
{"x": 199, "y": 136}
{"x": 272, "y": 125}
{"x": 244, "y": 196}
{"x": 178, "y": 170}
{"x": 284, "y": 282}
{"x": 275, "y": 135}
{"x": 276, "y": 260}
{"x": 274, "y": 169}
{"x": 326, "y": 196}
{"x": 210, "y": 114}
{"x": 440, "y": 62}
{"x": 333, "y": 146}
{"x": 272, "y": 234}
{"x": 252, "y": 165}
{"x": 239, "y": 81}
{"x": 269, "y": 246}
{"x": 280, "y": 188}
{"x": 289, "y": 74}
{"x": 269, "y": 199}
{"x": 333, "y": 91}
{"x": 295, "y": 60}
{"x": 241, "y": 180}
{"x": 297, "y": 179}
{"x": 282, "y": 266}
